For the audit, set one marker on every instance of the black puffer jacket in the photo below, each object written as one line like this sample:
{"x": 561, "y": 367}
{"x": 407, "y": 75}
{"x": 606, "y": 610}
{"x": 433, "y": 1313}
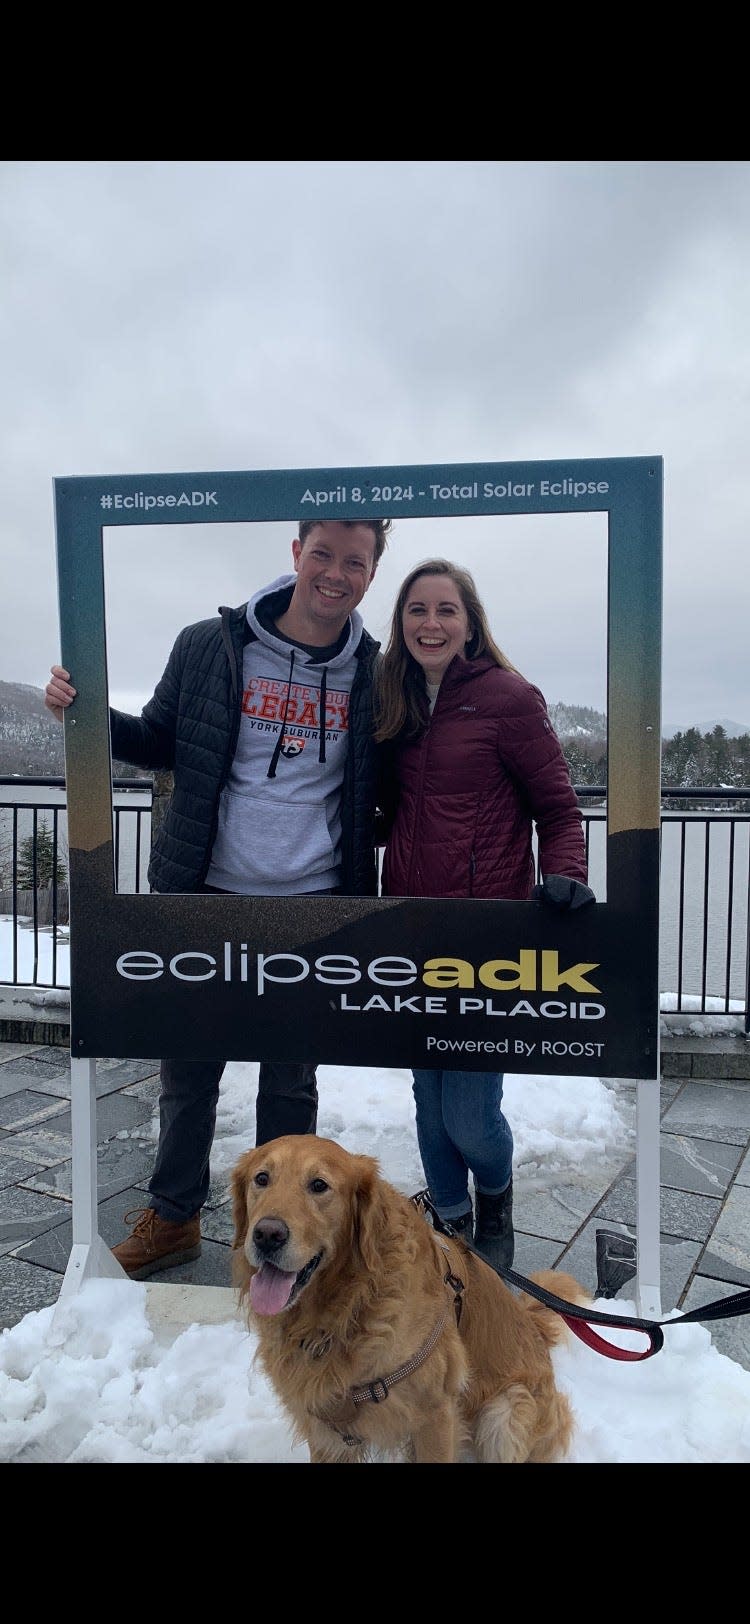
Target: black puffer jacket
{"x": 191, "y": 726}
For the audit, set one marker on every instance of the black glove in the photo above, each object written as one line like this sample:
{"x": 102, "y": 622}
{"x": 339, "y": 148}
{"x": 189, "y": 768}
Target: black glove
{"x": 563, "y": 894}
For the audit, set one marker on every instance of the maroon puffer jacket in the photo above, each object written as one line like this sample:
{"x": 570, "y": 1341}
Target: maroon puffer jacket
{"x": 489, "y": 762}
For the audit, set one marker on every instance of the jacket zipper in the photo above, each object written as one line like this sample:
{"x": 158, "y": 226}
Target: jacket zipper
{"x": 235, "y": 692}
{"x": 415, "y": 877}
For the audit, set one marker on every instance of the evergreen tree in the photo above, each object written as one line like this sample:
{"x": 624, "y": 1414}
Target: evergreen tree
{"x": 45, "y": 861}
{"x": 691, "y": 774}
{"x": 718, "y": 753}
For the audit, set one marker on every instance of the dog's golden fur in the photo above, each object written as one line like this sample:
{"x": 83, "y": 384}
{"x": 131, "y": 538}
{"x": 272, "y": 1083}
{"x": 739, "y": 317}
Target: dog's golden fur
{"x": 371, "y": 1302}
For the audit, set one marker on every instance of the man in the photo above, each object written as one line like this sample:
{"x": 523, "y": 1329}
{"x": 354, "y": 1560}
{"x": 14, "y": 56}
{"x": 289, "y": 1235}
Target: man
{"x": 264, "y": 717}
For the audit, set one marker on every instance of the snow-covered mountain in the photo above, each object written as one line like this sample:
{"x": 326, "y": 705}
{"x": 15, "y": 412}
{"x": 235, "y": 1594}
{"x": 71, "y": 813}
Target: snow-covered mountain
{"x": 31, "y": 741}
{"x": 733, "y": 730}
{"x": 577, "y": 721}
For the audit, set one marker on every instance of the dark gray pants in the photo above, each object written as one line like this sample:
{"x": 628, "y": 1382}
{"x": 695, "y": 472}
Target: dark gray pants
{"x": 287, "y": 1103}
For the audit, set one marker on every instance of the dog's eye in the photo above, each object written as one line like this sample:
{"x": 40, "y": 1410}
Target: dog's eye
{"x": 261, "y": 1179}
{"x": 319, "y": 1186}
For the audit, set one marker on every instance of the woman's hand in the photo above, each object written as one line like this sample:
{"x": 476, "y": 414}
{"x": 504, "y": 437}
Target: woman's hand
{"x": 562, "y": 894}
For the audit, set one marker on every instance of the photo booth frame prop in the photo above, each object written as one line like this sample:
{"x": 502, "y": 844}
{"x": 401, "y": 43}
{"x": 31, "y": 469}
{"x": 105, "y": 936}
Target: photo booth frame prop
{"x": 407, "y": 981}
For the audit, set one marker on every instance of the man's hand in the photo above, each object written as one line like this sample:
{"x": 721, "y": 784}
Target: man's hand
{"x": 59, "y": 694}
{"x": 563, "y": 894}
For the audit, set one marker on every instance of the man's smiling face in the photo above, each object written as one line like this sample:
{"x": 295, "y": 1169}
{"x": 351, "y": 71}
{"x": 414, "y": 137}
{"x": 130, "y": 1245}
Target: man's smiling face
{"x": 334, "y": 566}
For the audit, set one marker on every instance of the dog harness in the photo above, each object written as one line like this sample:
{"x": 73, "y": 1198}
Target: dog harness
{"x": 377, "y": 1391}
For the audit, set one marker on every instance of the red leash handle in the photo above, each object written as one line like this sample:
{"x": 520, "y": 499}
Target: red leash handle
{"x": 582, "y": 1329}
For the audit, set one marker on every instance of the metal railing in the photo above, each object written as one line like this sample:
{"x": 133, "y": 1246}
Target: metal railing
{"x": 33, "y": 869}
{"x": 704, "y": 940}
{"x": 704, "y": 947}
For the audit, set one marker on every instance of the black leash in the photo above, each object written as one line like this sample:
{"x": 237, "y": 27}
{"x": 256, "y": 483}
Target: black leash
{"x": 579, "y": 1320}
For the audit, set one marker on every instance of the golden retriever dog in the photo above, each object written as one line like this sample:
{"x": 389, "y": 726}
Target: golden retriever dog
{"x": 382, "y": 1337}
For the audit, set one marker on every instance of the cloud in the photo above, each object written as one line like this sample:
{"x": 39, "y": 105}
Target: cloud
{"x": 188, "y": 316}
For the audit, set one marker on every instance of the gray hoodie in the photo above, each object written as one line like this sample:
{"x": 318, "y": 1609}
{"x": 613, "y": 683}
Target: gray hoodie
{"x": 279, "y": 828}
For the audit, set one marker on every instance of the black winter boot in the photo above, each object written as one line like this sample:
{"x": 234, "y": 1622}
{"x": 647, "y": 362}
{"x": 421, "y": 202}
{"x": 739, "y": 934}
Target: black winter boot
{"x": 463, "y": 1227}
{"x": 494, "y": 1238}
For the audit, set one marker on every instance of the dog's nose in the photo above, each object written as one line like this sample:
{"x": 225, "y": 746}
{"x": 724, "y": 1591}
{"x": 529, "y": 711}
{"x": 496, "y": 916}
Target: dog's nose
{"x": 269, "y": 1235}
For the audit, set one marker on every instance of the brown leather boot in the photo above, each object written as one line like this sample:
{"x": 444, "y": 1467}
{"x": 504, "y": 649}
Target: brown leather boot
{"x": 156, "y": 1244}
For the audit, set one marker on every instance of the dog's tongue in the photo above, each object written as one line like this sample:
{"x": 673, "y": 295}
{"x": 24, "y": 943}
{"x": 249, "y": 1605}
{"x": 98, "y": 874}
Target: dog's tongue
{"x": 270, "y": 1289}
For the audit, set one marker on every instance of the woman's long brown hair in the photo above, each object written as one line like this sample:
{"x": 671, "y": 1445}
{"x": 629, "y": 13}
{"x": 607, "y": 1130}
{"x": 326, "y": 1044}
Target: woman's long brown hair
{"x": 401, "y": 704}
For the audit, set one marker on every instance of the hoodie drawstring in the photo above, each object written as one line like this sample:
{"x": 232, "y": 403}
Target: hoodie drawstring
{"x": 322, "y": 745}
{"x": 280, "y": 740}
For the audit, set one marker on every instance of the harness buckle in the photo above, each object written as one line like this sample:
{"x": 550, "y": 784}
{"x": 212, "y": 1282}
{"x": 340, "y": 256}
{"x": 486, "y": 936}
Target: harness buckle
{"x": 457, "y": 1287}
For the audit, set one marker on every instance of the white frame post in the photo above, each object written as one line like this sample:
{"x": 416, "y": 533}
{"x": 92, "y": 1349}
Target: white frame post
{"x": 647, "y": 1199}
{"x": 90, "y": 1258}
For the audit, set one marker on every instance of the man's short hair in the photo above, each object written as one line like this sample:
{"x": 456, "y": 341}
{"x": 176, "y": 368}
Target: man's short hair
{"x": 379, "y": 527}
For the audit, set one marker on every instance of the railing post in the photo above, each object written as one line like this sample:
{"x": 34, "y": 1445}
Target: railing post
{"x": 747, "y": 959}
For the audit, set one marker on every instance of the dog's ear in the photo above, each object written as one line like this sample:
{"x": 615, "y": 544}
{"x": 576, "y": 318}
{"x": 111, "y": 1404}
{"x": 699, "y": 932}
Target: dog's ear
{"x": 238, "y": 1184}
{"x": 369, "y": 1212}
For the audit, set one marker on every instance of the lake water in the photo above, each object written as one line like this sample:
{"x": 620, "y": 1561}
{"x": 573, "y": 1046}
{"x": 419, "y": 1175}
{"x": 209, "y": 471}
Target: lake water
{"x": 707, "y": 865}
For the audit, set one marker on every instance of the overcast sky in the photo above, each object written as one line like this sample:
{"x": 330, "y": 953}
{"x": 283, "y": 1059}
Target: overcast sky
{"x": 178, "y": 316}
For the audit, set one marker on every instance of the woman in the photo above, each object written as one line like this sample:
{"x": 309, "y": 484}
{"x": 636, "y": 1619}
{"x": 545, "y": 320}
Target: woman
{"x": 475, "y": 762}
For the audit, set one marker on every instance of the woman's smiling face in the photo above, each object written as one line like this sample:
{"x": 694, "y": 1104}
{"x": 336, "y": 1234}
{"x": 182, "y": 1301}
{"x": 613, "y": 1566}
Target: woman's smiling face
{"x": 435, "y": 624}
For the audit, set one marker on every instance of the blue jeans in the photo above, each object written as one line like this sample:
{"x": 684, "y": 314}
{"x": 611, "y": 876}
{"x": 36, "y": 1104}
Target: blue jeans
{"x": 461, "y": 1129}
